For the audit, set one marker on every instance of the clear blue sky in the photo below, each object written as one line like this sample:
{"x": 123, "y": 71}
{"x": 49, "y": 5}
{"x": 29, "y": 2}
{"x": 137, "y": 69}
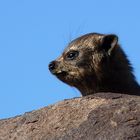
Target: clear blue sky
{"x": 34, "y": 32}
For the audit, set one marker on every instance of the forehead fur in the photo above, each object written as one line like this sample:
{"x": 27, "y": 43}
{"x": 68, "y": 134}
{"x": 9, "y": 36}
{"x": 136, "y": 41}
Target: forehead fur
{"x": 91, "y": 39}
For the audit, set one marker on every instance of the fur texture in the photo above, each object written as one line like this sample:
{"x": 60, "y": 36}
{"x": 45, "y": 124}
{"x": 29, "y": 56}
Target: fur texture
{"x": 96, "y": 63}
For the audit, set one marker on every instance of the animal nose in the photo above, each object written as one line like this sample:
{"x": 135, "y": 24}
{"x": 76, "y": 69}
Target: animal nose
{"x": 52, "y": 66}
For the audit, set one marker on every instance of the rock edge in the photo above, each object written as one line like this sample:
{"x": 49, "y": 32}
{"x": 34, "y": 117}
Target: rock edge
{"x": 103, "y": 116}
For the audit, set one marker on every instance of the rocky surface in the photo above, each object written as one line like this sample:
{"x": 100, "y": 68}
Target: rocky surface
{"x": 104, "y": 116}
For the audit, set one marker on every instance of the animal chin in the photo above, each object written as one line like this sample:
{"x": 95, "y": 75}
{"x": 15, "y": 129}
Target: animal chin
{"x": 65, "y": 77}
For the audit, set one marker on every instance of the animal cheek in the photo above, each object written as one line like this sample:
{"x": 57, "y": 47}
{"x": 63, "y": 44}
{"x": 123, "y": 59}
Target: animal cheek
{"x": 96, "y": 60}
{"x": 78, "y": 73}
{"x": 74, "y": 74}
{"x": 82, "y": 64}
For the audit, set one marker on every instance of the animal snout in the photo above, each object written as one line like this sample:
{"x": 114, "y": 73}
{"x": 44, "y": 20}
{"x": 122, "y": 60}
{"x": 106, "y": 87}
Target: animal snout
{"x": 52, "y": 66}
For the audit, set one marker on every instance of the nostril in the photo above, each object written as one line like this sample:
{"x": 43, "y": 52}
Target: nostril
{"x": 52, "y": 66}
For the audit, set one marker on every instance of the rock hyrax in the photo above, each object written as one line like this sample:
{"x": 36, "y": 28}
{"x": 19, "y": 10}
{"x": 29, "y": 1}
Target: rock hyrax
{"x": 96, "y": 63}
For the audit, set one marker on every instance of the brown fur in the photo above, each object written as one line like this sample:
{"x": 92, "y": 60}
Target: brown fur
{"x": 99, "y": 65}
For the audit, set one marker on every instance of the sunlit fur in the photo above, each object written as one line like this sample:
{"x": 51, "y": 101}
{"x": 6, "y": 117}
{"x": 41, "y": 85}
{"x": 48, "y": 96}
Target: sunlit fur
{"x": 96, "y": 69}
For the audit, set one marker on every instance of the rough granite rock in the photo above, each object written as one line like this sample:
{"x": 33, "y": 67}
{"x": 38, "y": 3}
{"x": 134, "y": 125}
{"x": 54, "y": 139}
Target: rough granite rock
{"x": 103, "y": 116}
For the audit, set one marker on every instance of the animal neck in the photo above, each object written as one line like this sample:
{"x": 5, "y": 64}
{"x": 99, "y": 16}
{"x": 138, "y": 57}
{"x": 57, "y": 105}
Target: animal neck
{"x": 123, "y": 85}
{"x": 119, "y": 83}
{"x": 116, "y": 77}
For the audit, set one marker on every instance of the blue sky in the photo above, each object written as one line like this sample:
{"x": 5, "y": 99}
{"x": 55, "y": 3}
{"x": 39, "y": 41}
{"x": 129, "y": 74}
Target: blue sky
{"x": 33, "y": 33}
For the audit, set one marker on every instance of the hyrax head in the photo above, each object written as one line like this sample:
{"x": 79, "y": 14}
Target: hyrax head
{"x": 84, "y": 61}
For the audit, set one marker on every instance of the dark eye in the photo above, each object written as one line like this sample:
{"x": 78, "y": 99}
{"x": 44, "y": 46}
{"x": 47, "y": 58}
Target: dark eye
{"x": 72, "y": 55}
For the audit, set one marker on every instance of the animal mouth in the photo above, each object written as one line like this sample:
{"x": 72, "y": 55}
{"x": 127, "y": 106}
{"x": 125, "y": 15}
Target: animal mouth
{"x": 61, "y": 73}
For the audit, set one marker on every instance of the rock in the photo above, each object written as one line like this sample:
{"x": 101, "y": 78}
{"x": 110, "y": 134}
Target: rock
{"x": 103, "y": 116}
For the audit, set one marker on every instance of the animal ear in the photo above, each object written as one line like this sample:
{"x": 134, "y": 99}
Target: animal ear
{"x": 109, "y": 42}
